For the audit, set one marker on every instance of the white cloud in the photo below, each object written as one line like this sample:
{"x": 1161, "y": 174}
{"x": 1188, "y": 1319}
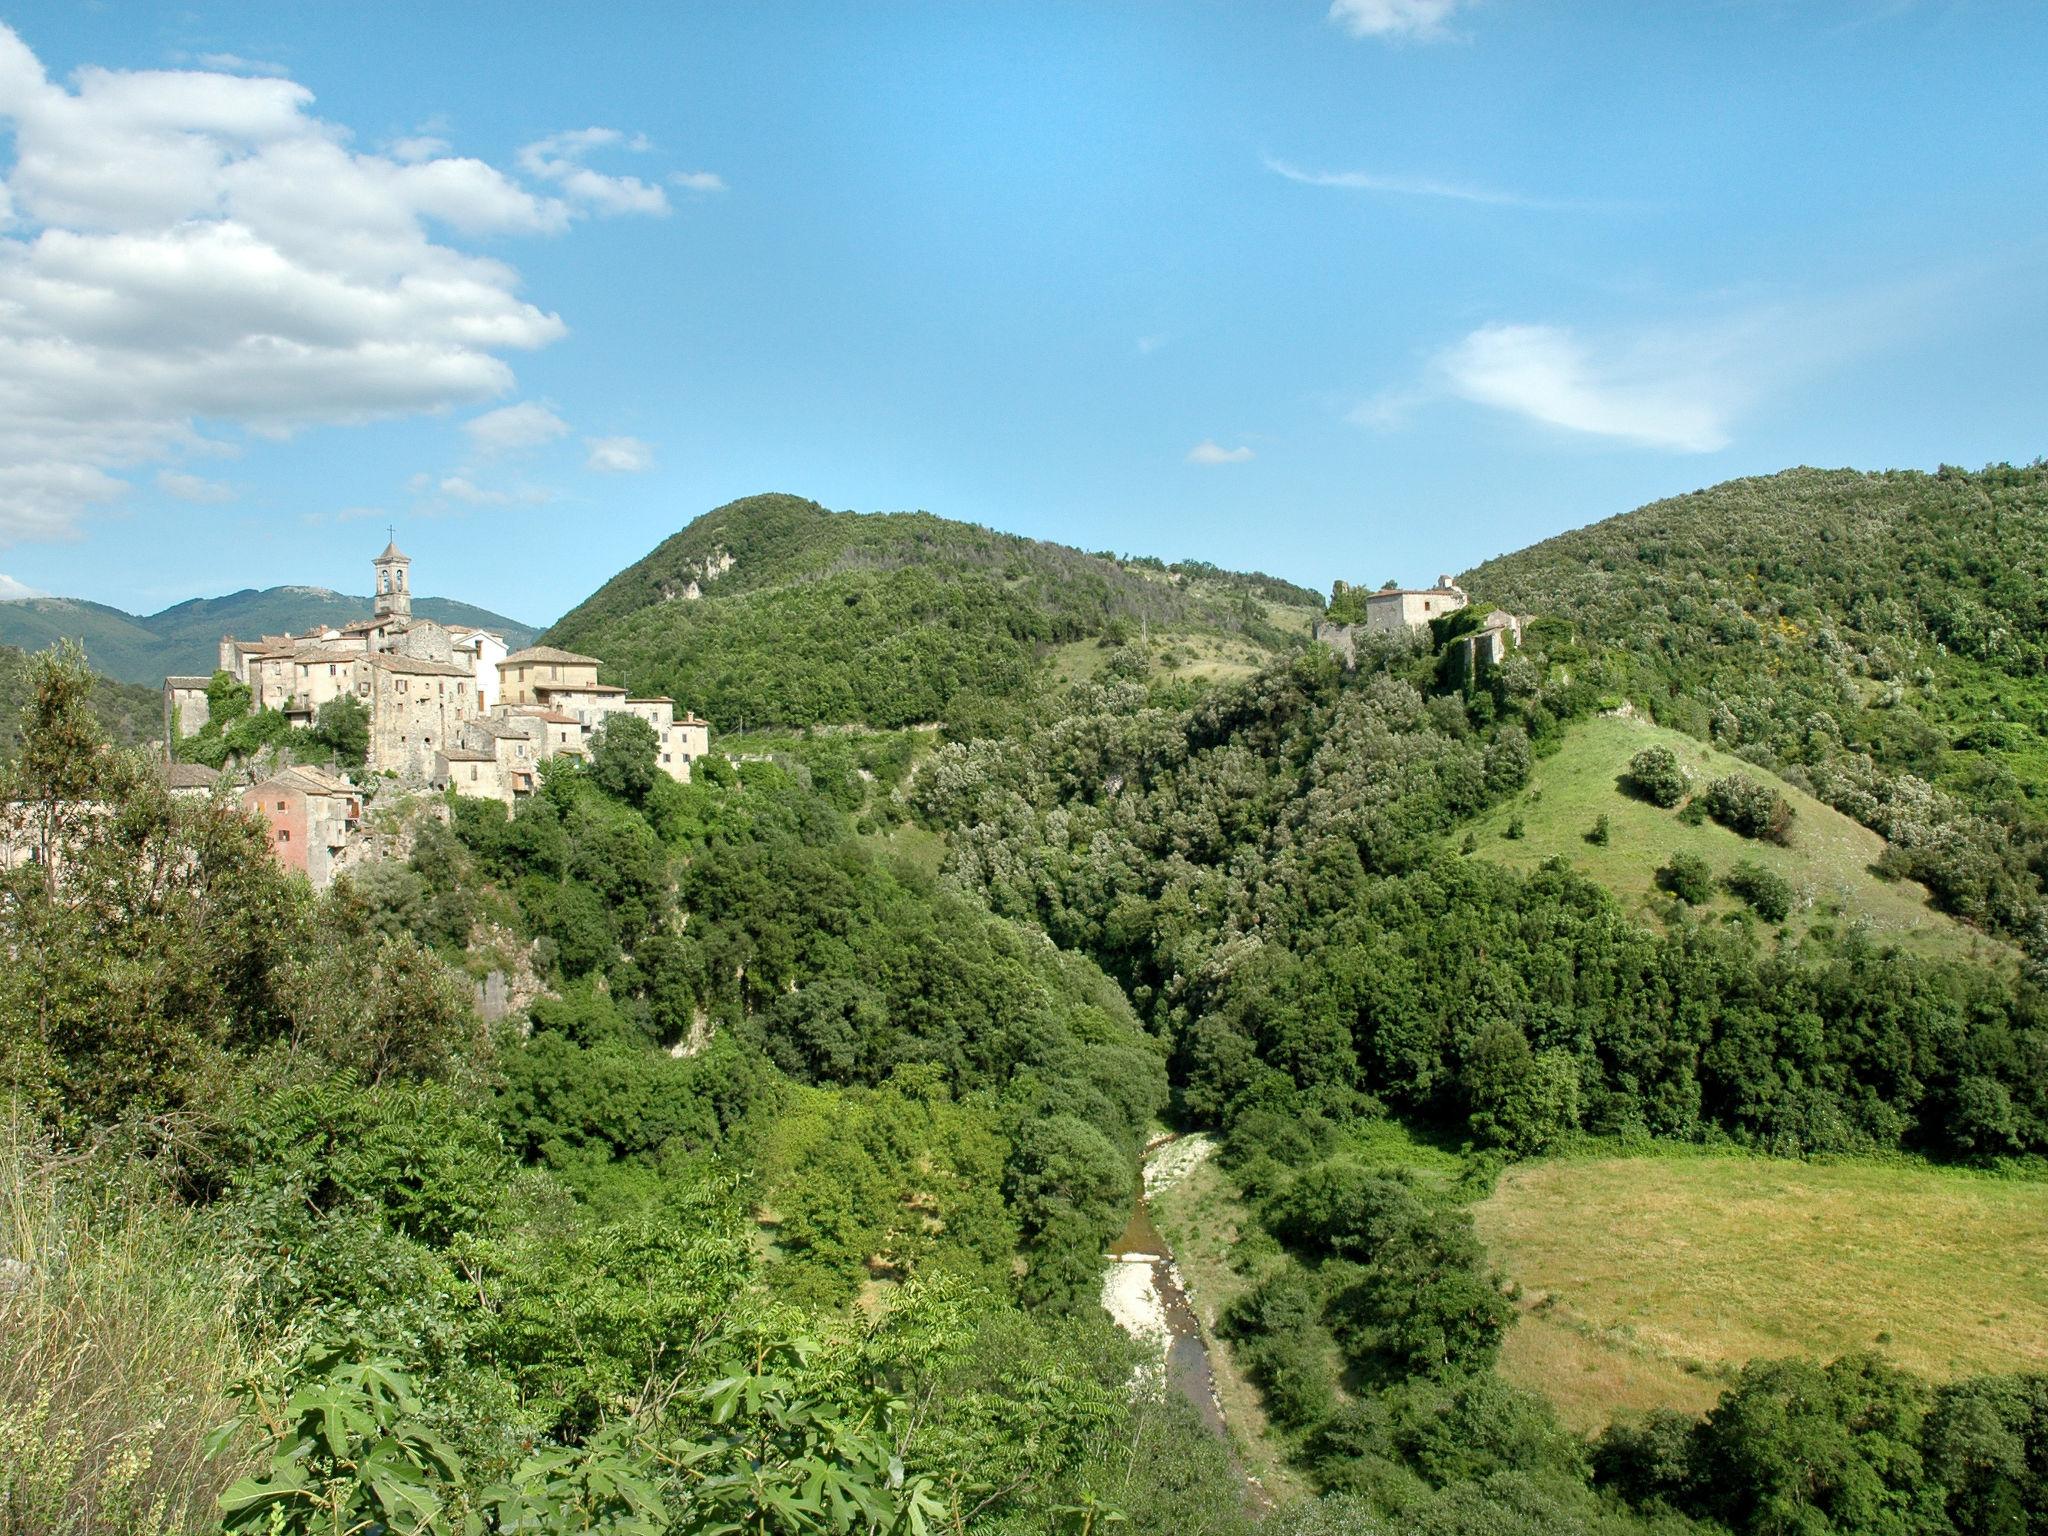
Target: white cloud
{"x": 1210, "y": 452}
{"x": 1421, "y": 21}
{"x": 196, "y": 246}
{"x": 421, "y": 146}
{"x": 559, "y": 159}
{"x": 186, "y": 487}
{"x": 697, "y": 181}
{"x": 511, "y": 428}
{"x": 618, "y": 455}
{"x": 1669, "y": 391}
{"x": 1407, "y": 186}
{"x": 12, "y": 591}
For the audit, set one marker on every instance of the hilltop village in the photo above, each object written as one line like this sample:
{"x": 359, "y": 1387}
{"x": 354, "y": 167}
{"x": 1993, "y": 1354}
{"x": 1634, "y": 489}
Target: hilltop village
{"x": 448, "y": 709}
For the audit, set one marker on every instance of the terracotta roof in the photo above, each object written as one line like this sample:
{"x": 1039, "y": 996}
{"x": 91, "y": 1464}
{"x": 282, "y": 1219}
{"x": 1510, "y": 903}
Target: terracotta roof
{"x": 391, "y": 661}
{"x": 186, "y": 682}
{"x": 553, "y": 716}
{"x": 190, "y": 776}
{"x": 307, "y": 781}
{"x": 576, "y": 688}
{"x": 659, "y": 698}
{"x": 501, "y": 729}
{"x": 464, "y": 755}
{"x": 549, "y": 653}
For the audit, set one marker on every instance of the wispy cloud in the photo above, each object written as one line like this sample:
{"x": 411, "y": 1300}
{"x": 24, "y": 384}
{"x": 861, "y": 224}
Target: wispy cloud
{"x": 1209, "y": 451}
{"x": 559, "y": 158}
{"x": 193, "y": 488}
{"x": 618, "y": 455}
{"x": 1412, "y": 186}
{"x": 1147, "y": 345}
{"x": 697, "y": 181}
{"x": 1669, "y": 392}
{"x": 12, "y": 591}
{"x": 235, "y": 64}
{"x": 511, "y": 428}
{"x": 1407, "y": 21}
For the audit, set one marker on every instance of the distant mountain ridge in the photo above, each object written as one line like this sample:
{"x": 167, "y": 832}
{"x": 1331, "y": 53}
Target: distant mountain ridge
{"x": 184, "y": 638}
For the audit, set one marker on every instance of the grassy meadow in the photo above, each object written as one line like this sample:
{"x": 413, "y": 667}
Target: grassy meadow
{"x": 1829, "y": 862}
{"x": 1648, "y": 1281}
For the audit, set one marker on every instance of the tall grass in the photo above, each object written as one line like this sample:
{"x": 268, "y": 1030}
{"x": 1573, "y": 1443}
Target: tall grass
{"x": 117, "y": 1349}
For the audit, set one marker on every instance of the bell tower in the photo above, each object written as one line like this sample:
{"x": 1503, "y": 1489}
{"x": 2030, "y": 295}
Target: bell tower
{"x": 394, "y": 583}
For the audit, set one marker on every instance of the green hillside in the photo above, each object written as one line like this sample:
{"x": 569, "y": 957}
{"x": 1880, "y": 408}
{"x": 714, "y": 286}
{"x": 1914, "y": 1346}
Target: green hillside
{"x": 185, "y": 638}
{"x": 773, "y": 610}
{"x": 129, "y": 713}
{"x": 1881, "y": 638}
{"x": 1829, "y": 861}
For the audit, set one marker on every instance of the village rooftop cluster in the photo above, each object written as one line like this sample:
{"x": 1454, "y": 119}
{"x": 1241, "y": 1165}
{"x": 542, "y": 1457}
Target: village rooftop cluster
{"x": 448, "y": 708}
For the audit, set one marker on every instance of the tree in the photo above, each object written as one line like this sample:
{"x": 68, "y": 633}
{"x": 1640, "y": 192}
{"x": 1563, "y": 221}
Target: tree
{"x": 625, "y": 758}
{"x": 1654, "y": 773}
{"x": 1689, "y": 878}
{"x": 343, "y": 727}
{"x": 1751, "y": 809}
{"x": 1768, "y": 892}
{"x": 64, "y": 768}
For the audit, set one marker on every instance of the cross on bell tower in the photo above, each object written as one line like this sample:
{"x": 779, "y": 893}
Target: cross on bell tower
{"x": 394, "y": 584}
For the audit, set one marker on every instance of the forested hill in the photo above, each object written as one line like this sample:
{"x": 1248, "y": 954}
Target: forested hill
{"x": 128, "y": 713}
{"x": 775, "y": 610}
{"x": 184, "y": 639}
{"x": 1882, "y": 636}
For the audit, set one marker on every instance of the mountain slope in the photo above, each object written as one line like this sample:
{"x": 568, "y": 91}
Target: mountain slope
{"x": 131, "y": 713}
{"x": 1880, "y": 638}
{"x": 773, "y": 610}
{"x": 184, "y": 638}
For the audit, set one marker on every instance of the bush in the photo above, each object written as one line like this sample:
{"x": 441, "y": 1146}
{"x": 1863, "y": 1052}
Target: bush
{"x": 1654, "y": 774}
{"x": 1689, "y": 878}
{"x": 1600, "y": 832}
{"x": 1768, "y": 893}
{"x": 1751, "y": 809}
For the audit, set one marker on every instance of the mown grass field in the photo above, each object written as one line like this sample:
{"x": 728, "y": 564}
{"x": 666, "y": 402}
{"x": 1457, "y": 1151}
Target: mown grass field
{"x": 1648, "y": 1281}
{"x": 1828, "y": 863}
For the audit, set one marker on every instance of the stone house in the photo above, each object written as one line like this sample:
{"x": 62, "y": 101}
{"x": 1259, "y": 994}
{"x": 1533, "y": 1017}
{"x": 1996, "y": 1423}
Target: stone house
{"x": 1395, "y": 609}
{"x": 523, "y": 674}
{"x": 470, "y": 772}
{"x": 312, "y": 818}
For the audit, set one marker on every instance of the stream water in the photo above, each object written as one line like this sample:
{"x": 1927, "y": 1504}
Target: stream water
{"x": 1143, "y": 1292}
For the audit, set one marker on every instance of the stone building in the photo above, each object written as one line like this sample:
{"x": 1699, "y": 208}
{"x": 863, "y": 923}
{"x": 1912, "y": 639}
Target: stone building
{"x": 312, "y": 819}
{"x": 1395, "y": 609}
{"x": 523, "y": 674}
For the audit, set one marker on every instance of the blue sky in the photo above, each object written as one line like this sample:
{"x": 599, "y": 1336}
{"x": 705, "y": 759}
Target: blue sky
{"x": 1367, "y": 290}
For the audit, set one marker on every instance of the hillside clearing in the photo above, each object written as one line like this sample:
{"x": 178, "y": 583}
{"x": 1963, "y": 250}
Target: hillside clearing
{"x": 1828, "y": 863}
{"x": 1648, "y": 1281}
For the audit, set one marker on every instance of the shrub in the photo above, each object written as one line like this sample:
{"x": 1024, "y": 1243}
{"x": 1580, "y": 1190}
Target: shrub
{"x": 1515, "y": 829}
{"x": 1654, "y": 774}
{"x": 1744, "y": 806}
{"x": 1600, "y": 832}
{"x": 1768, "y": 893}
{"x": 1689, "y": 878}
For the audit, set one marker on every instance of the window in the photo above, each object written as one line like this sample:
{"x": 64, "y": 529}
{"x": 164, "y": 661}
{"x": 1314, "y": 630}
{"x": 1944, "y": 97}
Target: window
{"x": 280, "y": 805}
{"x": 472, "y": 773}
{"x": 284, "y": 834}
